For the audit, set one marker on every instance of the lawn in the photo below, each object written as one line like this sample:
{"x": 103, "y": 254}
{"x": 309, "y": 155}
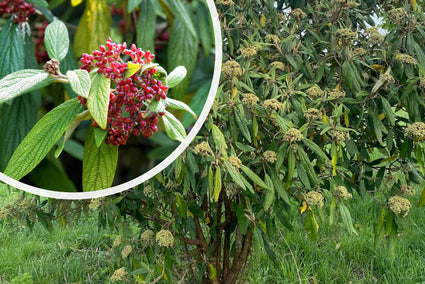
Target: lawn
{"x": 80, "y": 254}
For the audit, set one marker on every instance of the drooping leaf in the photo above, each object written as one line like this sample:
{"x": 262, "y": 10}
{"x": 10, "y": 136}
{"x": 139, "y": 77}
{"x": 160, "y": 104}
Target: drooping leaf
{"x": 41, "y": 139}
{"x": 176, "y": 76}
{"x": 80, "y": 82}
{"x": 270, "y": 193}
{"x": 99, "y": 163}
{"x": 346, "y": 219}
{"x": 316, "y": 149}
{"x": 237, "y": 177}
{"x": 254, "y": 177}
{"x": 173, "y": 127}
{"x": 56, "y": 40}
{"x": 184, "y": 52}
{"x": 132, "y": 4}
{"x": 93, "y": 28}
{"x": 178, "y": 105}
{"x": 217, "y": 184}
{"x": 11, "y": 49}
{"x": 204, "y": 28}
{"x": 98, "y": 98}
{"x": 146, "y": 26}
{"x": 21, "y": 82}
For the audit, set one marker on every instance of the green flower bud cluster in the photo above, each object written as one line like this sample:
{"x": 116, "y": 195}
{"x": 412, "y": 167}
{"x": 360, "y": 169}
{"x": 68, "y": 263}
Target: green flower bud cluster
{"x": 127, "y": 250}
{"x": 396, "y": 14}
{"x": 148, "y": 238}
{"x": 248, "y": 52}
{"x": 387, "y": 78}
{"x": 422, "y": 83}
{"x": 273, "y": 38}
{"x": 312, "y": 114}
{"x": 231, "y": 190}
{"x": 416, "y": 131}
{"x": 232, "y": 68}
{"x": 164, "y": 238}
{"x": 250, "y": 99}
{"x": 359, "y": 51}
{"x": 225, "y": 2}
{"x": 147, "y": 189}
{"x": 119, "y": 275}
{"x": 346, "y": 35}
{"x": 203, "y": 148}
{"x": 405, "y": 58}
{"x": 342, "y": 192}
{"x": 336, "y": 94}
{"x": 398, "y": 205}
{"x": 298, "y": 13}
{"x": 272, "y": 104}
{"x": 407, "y": 190}
{"x": 340, "y": 136}
{"x": 234, "y": 161}
{"x": 314, "y": 198}
{"x": 270, "y": 156}
{"x": 117, "y": 241}
{"x": 374, "y": 36}
{"x": 278, "y": 65}
{"x": 315, "y": 92}
{"x": 293, "y": 135}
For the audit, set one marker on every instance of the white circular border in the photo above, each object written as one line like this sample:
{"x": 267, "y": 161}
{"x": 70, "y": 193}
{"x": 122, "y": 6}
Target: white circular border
{"x": 167, "y": 161}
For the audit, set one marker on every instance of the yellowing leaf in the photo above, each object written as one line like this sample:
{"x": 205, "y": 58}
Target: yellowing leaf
{"x": 132, "y": 69}
{"x": 263, "y": 21}
{"x": 234, "y": 92}
{"x": 334, "y": 160}
{"x": 76, "y": 2}
{"x": 377, "y": 67}
{"x": 93, "y": 28}
{"x": 325, "y": 118}
{"x": 303, "y": 207}
{"x": 381, "y": 116}
{"x": 346, "y": 119}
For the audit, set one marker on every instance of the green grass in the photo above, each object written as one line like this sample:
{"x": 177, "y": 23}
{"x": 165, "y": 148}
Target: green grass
{"x": 80, "y": 254}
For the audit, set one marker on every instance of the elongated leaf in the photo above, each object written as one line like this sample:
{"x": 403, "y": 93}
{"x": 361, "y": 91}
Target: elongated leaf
{"x": 346, "y": 219}
{"x": 184, "y": 52}
{"x": 422, "y": 199}
{"x": 11, "y": 49}
{"x": 21, "y": 82}
{"x": 217, "y": 184}
{"x": 280, "y": 188}
{"x": 179, "y": 11}
{"x": 146, "y": 25}
{"x": 174, "y": 104}
{"x": 16, "y": 121}
{"x": 98, "y": 99}
{"x": 242, "y": 122}
{"x": 176, "y": 76}
{"x": 93, "y": 28}
{"x": 316, "y": 149}
{"x": 311, "y": 225}
{"x": 56, "y": 40}
{"x": 291, "y": 168}
{"x": 80, "y": 82}
{"x": 99, "y": 163}
{"x": 42, "y": 3}
{"x": 132, "y": 4}
{"x": 269, "y": 197}
{"x": 389, "y": 113}
{"x": 204, "y": 28}
{"x": 173, "y": 127}
{"x": 41, "y": 139}
{"x": 254, "y": 177}
{"x": 235, "y": 175}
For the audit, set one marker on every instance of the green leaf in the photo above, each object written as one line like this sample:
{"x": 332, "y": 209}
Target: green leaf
{"x": 99, "y": 163}
{"x": 41, "y": 139}
{"x": 80, "y": 82}
{"x": 269, "y": 196}
{"x": 16, "y": 121}
{"x": 389, "y": 113}
{"x": 93, "y": 28}
{"x": 316, "y": 149}
{"x": 178, "y": 105}
{"x": 234, "y": 175}
{"x": 422, "y": 199}
{"x": 173, "y": 127}
{"x": 184, "y": 52}
{"x": 132, "y": 4}
{"x": 56, "y": 40}
{"x": 242, "y": 122}
{"x": 204, "y": 28}
{"x": 42, "y": 3}
{"x": 280, "y": 188}
{"x": 217, "y": 184}
{"x": 21, "y": 82}
{"x": 179, "y": 11}
{"x": 346, "y": 219}
{"x": 11, "y": 49}
{"x": 311, "y": 225}
{"x": 291, "y": 168}
{"x": 146, "y": 25}
{"x": 99, "y": 135}
{"x": 255, "y": 178}
{"x": 98, "y": 99}
{"x": 155, "y": 107}
{"x": 176, "y": 76}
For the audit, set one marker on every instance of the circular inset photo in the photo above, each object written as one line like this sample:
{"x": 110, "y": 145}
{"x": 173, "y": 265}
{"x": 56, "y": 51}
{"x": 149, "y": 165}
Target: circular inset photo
{"x": 98, "y": 96}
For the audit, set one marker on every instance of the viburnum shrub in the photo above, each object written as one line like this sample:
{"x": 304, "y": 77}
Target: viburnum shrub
{"x": 121, "y": 98}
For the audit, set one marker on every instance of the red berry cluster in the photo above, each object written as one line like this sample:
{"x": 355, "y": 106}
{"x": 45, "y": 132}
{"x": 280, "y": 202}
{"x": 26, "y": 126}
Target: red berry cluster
{"x": 40, "y": 49}
{"x": 20, "y": 8}
{"x": 129, "y": 100}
